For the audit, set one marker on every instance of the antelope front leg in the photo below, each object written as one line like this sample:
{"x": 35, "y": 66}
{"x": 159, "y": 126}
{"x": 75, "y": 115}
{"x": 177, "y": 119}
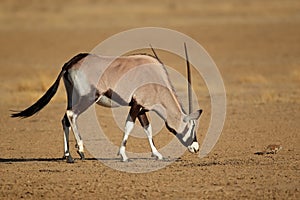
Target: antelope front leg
{"x": 155, "y": 153}
{"x": 128, "y": 128}
{"x": 133, "y": 113}
{"x": 148, "y": 130}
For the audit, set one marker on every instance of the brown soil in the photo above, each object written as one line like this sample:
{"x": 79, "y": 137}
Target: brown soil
{"x": 256, "y": 47}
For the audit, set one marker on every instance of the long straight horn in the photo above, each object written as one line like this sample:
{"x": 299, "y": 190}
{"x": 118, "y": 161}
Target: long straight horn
{"x": 156, "y": 55}
{"x": 189, "y": 80}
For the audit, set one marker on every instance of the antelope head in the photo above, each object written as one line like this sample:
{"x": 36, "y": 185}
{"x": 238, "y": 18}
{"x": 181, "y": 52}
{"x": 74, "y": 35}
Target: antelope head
{"x": 187, "y": 136}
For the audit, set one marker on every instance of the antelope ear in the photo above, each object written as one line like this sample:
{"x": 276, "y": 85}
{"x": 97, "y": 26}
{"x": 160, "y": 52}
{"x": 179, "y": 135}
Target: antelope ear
{"x": 193, "y": 116}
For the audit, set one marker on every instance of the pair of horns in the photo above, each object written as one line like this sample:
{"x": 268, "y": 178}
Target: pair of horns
{"x": 190, "y": 94}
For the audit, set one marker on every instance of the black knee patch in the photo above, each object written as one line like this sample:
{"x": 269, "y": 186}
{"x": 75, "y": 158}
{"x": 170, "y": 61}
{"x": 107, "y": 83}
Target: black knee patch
{"x": 65, "y": 121}
{"x": 143, "y": 119}
{"x": 124, "y": 143}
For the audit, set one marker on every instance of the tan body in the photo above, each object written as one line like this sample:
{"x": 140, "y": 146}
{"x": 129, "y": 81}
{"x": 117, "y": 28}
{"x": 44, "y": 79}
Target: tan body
{"x": 137, "y": 71}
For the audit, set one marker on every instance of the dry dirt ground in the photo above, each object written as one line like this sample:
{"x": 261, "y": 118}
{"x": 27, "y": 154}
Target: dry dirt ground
{"x": 256, "y": 47}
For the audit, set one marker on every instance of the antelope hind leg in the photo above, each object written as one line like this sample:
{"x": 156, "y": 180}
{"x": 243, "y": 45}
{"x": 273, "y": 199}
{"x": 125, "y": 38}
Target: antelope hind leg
{"x": 66, "y": 127}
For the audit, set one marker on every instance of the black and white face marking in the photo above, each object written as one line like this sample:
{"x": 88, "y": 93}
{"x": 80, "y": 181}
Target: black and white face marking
{"x": 188, "y": 136}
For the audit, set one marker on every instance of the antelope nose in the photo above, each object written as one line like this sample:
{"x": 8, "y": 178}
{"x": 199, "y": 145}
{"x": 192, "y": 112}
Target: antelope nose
{"x": 194, "y": 147}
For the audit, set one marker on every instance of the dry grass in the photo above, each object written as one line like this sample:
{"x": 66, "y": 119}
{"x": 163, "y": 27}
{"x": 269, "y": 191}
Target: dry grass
{"x": 253, "y": 79}
{"x": 32, "y": 89}
{"x": 276, "y": 96}
{"x": 295, "y": 75}
{"x": 271, "y": 96}
{"x": 27, "y": 85}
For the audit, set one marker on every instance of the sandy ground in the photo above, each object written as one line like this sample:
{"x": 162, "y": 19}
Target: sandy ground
{"x": 256, "y": 47}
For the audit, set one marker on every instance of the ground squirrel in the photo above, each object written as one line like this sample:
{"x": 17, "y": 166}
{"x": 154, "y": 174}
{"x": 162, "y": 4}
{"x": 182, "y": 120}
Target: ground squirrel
{"x": 270, "y": 149}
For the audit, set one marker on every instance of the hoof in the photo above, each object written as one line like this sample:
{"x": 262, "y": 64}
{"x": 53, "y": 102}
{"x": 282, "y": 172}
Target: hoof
{"x": 158, "y": 156}
{"x": 69, "y": 159}
{"x": 125, "y": 160}
{"x": 81, "y": 154}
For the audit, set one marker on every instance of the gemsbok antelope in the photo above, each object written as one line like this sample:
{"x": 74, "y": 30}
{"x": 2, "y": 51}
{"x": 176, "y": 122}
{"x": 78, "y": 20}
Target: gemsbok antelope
{"x": 90, "y": 79}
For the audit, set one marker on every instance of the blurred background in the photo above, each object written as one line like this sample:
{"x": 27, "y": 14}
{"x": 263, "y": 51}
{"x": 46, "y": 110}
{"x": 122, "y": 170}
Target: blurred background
{"x": 254, "y": 42}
